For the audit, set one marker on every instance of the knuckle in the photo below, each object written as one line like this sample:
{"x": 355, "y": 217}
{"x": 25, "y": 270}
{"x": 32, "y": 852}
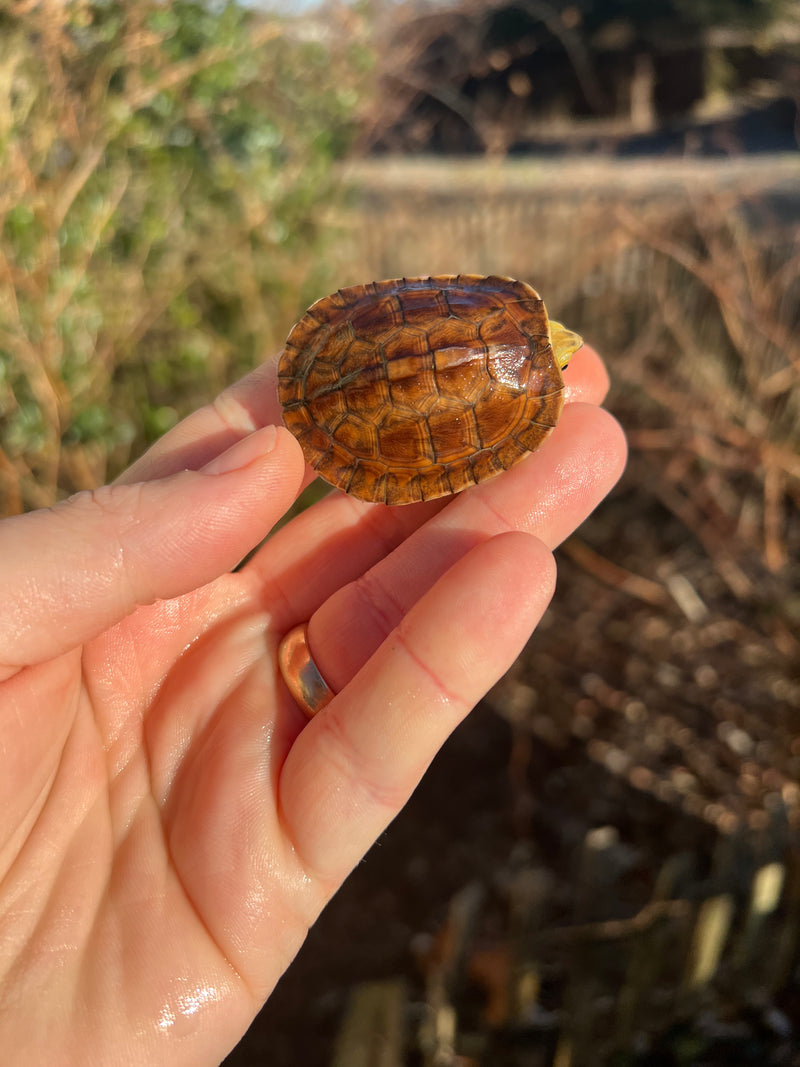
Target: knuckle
{"x": 358, "y": 772}
{"x": 112, "y": 514}
{"x": 373, "y": 596}
{"x": 428, "y": 671}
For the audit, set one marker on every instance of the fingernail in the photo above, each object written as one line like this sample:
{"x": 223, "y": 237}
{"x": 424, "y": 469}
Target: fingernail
{"x": 243, "y": 452}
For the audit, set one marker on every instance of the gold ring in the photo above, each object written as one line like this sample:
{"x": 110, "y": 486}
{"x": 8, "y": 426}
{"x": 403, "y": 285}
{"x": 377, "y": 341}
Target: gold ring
{"x": 302, "y": 676}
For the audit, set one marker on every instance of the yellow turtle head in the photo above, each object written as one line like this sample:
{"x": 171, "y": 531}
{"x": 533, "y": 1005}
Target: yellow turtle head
{"x": 564, "y": 342}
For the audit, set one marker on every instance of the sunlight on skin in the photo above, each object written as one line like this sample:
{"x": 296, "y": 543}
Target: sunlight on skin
{"x": 170, "y": 824}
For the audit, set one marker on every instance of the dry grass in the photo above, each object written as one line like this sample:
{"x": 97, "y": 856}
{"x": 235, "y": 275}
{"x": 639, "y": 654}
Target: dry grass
{"x": 685, "y": 277}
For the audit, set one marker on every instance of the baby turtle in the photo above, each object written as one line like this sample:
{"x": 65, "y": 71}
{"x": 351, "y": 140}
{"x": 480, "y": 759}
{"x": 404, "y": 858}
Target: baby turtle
{"x": 416, "y": 388}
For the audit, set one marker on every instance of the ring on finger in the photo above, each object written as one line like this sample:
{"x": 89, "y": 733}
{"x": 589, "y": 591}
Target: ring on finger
{"x": 300, "y": 673}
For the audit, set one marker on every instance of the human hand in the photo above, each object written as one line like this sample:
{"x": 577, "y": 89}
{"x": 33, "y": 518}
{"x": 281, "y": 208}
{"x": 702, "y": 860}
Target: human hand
{"x": 170, "y": 822}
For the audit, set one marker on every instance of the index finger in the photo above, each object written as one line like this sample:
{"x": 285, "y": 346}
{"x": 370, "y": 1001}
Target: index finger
{"x": 239, "y": 410}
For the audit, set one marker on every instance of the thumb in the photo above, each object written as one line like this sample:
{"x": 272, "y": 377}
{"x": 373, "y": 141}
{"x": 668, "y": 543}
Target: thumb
{"x": 70, "y": 572}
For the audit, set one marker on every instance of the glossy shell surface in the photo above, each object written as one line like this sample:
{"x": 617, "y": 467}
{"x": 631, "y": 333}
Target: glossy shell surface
{"x": 412, "y": 389}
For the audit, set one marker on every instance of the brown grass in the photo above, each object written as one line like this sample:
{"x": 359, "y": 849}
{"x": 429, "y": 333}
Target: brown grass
{"x": 684, "y": 275}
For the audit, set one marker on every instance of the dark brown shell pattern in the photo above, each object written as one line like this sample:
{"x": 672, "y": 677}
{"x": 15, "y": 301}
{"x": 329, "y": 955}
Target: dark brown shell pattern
{"x": 412, "y": 389}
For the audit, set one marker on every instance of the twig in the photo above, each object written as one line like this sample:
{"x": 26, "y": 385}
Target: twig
{"x": 604, "y": 570}
{"x": 774, "y": 543}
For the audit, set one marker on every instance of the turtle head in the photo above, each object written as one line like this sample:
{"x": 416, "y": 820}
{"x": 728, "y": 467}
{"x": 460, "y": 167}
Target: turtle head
{"x": 564, "y": 342}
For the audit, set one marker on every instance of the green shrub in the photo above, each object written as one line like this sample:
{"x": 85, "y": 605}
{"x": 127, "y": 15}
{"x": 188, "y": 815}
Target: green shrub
{"x": 165, "y": 173}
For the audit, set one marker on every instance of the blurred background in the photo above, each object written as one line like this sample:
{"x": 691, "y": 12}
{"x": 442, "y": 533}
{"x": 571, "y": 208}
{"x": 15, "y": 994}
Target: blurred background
{"x": 603, "y": 865}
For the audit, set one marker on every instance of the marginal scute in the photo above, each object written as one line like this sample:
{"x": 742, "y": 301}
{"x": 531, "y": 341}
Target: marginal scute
{"x": 370, "y": 319}
{"x": 417, "y": 388}
{"x": 485, "y": 465}
{"x": 367, "y": 482}
{"x": 509, "y": 452}
{"x": 403, "y": 486}
{"x": 533, "y": 436}
{"x": 423, "y": 306}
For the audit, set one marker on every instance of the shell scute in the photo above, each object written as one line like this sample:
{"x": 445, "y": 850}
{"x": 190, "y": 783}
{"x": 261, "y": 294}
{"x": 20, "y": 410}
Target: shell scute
{"x": 404, "y": 444}
{"x": 331, "y": 408}
{"x": 416, "y": 395}
{"x": 453, "y": 433}
{"x": 403, "y": 346}
{"x": 357, "y": 435}
{"x": 493, "y": 412}
{"x": 359, "y": 359}
{"x": 460, "y": 374}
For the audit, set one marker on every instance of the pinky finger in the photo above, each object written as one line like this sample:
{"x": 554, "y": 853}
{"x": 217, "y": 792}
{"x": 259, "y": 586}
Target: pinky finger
{"x": 356, "y": 764}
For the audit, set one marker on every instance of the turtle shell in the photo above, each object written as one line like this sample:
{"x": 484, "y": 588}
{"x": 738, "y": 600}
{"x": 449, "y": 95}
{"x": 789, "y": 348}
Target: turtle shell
{"x": 412, "y": 389}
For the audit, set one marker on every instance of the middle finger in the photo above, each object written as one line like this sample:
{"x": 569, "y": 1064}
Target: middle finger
{"x": 547, "y": 495}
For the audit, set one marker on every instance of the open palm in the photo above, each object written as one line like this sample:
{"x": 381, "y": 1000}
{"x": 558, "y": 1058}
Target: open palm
{"x": 170, "y": 823}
